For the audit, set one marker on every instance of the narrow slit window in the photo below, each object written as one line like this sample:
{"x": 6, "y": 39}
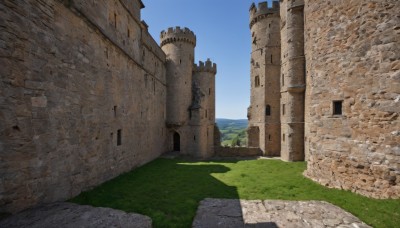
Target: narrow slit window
{"x": 283, "y": 79}
{"x": 115, "y": 111}
{"x": 283, "y": 137}
{"x": 269, "y": 137}
{"x": 257, "y": 81}
{"x": 337, "y": 107}
{"x": 268, "y": 110}
{"x": 283, "y": 109}
{"x": 119, "y": 137}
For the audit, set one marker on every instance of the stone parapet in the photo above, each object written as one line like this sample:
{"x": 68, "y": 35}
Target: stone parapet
{"x": 261, "y": 12}
{"x": 208, "y": 66}
{"x": 177, "y": 35}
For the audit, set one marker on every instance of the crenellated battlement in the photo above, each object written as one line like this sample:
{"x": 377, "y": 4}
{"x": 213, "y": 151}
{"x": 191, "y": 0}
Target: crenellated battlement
{"x": 177, "y": 34}
{"x": 260, "y": 12}
{"x": 208, "y": 66}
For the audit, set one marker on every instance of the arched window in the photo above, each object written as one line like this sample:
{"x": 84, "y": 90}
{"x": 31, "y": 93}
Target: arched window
{"x": 268, "y": 110}
{"x": 257, "y": 81}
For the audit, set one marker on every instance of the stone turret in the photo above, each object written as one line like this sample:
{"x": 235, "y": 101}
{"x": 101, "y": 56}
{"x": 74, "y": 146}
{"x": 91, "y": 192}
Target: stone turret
{"x": 264, "y": 110}
{"x": 292, "y": 81}
{"x": 203, "y": 108}
{"x": 260, "y": 12}
{"x": 178, "y": 45}
{"x": 177, "y": 35}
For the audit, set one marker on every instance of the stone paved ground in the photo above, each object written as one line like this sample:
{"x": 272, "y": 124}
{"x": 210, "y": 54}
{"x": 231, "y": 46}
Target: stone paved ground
{"x": 75, "y": 216}
{"x": 272, "y": 213}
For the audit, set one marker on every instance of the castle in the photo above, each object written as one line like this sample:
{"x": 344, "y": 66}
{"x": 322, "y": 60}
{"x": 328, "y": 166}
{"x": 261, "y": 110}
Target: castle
{"x": 325, "y": 88}
{"x": 87, "y": 94}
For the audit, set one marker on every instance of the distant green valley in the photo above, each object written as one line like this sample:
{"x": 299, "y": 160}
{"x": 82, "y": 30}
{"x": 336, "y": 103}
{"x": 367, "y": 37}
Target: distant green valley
{"x": 233, "y": 132}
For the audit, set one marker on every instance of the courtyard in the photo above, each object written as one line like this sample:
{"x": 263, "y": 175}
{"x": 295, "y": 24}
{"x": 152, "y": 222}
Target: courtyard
{"x": 169, "y": 190}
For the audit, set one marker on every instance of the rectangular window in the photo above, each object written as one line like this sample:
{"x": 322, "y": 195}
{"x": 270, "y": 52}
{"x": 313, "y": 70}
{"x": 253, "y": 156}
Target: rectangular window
{"x": 257, "y": 81}
{"x": 119, "y": 137}
{"x": 268, "y": 110}
{"x": 337, "y": 107}
{"x": 283, "y": 109}
{"x": 115, "y": 111}
{"x": 283, "y": 137}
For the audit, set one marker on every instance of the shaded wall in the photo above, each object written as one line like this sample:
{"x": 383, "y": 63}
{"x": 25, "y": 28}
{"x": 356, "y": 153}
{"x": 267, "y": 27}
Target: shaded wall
{"x": 82, "y": 98}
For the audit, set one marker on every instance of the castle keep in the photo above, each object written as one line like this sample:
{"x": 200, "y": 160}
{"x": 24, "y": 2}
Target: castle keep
{"x": 325, "y": 88}
{"x": 87, "y": 94}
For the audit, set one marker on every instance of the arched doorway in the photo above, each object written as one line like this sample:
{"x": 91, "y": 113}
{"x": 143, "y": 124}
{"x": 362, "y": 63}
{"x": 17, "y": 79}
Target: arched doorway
{"x": 177, "y": 142}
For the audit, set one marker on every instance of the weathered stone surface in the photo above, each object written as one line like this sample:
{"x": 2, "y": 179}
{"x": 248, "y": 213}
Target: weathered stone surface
{"x": 272, "y": 213}
{"x": 73, "y": 215}
{"x": 352, "y": 50}
{"x": 70, "y": 82}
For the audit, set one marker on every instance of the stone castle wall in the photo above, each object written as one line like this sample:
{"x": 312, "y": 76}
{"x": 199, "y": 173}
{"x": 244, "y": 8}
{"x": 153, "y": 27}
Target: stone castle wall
{"x": 353, "y": 57}
{"x": 83, "y": 97}
{"x": 238, "y": 151}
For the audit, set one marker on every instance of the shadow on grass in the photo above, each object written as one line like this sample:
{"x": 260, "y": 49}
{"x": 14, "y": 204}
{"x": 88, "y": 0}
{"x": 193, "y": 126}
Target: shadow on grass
{"x": 166, "y": 190}
{"x": 169, "y": 191}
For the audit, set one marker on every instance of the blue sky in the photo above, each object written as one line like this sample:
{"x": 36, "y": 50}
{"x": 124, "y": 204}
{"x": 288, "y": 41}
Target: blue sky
{"x": 223, "y": 35}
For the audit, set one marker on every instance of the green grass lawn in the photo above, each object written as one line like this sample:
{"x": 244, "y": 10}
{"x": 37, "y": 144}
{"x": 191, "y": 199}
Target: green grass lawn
{"x": 169, "y": 190}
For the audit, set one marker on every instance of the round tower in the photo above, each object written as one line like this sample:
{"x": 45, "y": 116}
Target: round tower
{"x": 178, "y": 45}
{"x": 264, "y": 110}
{"x": 204, "y": 107}
{"x": 292, "y": 80}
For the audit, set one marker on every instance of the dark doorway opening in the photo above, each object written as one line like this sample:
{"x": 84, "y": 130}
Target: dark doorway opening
{"x": 177, "y": 142}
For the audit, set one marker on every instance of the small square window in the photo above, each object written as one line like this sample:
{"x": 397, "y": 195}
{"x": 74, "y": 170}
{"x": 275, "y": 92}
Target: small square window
{"x": 337, "y": 107}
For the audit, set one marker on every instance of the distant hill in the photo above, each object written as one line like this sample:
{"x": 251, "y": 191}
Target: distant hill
{"x": 240, "y": 123}
{"x": 233, "y": 132}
